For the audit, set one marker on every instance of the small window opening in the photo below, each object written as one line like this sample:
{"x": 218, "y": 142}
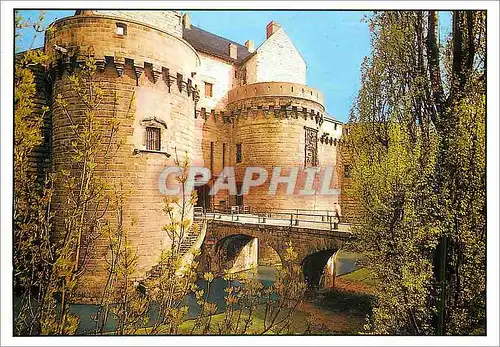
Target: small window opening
{"x": 238, "y": 153}
{"x": 153, "y": 139}
{"x": 121, "y": 29}
{"x": 208, "y": 89}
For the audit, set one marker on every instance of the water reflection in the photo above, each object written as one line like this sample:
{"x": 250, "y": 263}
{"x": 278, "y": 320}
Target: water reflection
{"x": 346, "y": 263}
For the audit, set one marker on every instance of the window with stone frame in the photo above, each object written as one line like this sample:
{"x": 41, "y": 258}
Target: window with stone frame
{"x": 311, "y": 147}
{"x": 154, "y": 134}
{"x": 153, "y": 138}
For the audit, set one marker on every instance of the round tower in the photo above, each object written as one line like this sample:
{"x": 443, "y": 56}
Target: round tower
{"x": 279, "y": 125}
{"x": 145, "y": 70}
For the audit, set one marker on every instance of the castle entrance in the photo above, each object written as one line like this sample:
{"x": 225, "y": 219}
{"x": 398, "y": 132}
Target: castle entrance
{"x": 203, "y": 196}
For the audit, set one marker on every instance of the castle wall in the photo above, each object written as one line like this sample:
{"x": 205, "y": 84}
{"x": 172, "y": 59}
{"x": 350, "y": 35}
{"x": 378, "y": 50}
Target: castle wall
{"x": 276, "y": 59}
{"x": 221, "y": 75}
{"x": 142, "y": 43}
{"x": 150, "y": 76}
{"x": 210, "y": 127}
{"x": 271, "y": 129}
{"x": 277, "y": 89}
{"x": 136, "y": 96}
{"x": 168, "y": 21}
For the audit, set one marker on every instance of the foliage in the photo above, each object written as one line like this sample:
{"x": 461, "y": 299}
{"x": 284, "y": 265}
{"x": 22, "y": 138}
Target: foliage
{"x": 84, "y": 194}
{"x": 32, "y": 250}
{"x": 244, "y": 294}
{"x": 47, "y": 266}
{"x": 50, "y": 260}
{"x": 123, "y": 297}
{"x": 417, "y": 141}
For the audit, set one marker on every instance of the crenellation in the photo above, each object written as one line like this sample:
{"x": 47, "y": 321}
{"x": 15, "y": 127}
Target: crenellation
{"x": 204, "y": 103}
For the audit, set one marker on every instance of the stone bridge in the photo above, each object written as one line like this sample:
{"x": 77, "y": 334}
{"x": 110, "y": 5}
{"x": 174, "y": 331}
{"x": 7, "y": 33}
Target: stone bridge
{"x": 264, "y": 241}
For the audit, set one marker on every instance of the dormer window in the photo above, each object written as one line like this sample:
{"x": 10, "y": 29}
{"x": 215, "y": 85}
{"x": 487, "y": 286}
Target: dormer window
{"x": 121, "y": 29}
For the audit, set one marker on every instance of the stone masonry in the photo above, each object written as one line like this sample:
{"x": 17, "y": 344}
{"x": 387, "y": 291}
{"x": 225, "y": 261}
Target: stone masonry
{"x": 206, "y": 96}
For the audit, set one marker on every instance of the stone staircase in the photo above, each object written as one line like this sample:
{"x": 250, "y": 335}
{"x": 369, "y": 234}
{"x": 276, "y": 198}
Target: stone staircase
{"x": 189, "y": 240}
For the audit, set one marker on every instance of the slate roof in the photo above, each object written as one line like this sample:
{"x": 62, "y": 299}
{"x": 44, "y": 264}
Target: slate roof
{"x": 209, "y": 43}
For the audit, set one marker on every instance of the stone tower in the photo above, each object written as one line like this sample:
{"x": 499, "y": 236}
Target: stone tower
{"x": 176, "y": 88}
{"x": 269, "y": 115}
{"x": 145, "y": 69}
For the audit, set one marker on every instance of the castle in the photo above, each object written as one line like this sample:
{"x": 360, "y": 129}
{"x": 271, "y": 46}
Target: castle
{"x": 177, "y": 88}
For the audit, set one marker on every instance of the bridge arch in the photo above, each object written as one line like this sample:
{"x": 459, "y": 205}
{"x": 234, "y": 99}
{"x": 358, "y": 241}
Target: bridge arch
{"x": 239, "y": 251}
{"x": 305, "y": 241}
{"x": 314, "y": 267}
{"x": 228, "y": 251}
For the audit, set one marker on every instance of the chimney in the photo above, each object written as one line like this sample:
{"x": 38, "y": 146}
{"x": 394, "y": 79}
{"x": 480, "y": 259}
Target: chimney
{"x": 84, "y": 12}
{"x": 233, "y": 51}
{"x": 271, "y": 28}
{"x": 250, "y": 46}
{"x": 186, "y": 21}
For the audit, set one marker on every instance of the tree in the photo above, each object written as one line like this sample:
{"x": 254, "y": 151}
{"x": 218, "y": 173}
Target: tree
{"x": 417, "y": 142}
{"x": 32, "y": 249}
{"x": 85, "y": 194}
{"x": 47, "y": 268}
{"x": 49, "y": 263}
{"x": 174, "y": 279}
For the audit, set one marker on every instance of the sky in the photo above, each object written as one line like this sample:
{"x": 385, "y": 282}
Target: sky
{"x": 332, "y": 43}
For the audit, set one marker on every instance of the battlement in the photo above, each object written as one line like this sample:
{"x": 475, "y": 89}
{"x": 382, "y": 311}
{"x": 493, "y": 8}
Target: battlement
{"x": 271, "y": 89}
{"x": 173, "y": 88}
{"x": 121, "y": 38}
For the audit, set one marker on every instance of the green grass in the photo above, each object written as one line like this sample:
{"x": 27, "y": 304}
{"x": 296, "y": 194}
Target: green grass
{"x": 256, "y": 327}
{"x": 354, "y": 306}
{"x": 361, "y": 275}
{"x": 341, "y": 301}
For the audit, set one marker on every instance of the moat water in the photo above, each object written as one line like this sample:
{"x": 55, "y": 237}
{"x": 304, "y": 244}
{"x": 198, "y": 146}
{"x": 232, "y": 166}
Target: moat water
{"x": 346, "y": 263}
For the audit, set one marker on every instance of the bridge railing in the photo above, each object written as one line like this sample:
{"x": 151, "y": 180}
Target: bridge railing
{"x": 295, "y": 218}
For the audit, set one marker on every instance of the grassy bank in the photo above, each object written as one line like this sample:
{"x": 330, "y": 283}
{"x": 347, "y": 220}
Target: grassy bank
{"x": 255, "y": 328}
{"x": 342, "y": 310}
{"x": 338, "y": 311}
